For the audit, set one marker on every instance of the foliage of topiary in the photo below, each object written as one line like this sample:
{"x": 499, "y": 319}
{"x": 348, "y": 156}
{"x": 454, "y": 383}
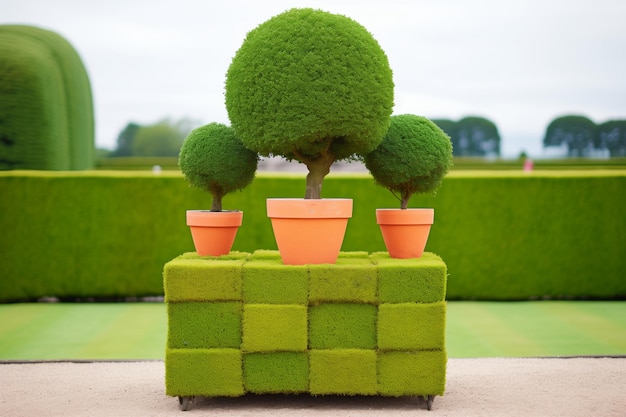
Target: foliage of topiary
{"x": 213, "y": 159}
{"x": 46, "y": 104}
{"x": 413, "y": 157}
{"x": 310, "y": 86}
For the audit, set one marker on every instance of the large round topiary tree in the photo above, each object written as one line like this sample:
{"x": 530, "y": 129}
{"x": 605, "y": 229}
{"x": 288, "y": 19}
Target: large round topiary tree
{"x": 310, "y": 86}
{"x": 213, "y": 159}
{"x": 414, "y": 156}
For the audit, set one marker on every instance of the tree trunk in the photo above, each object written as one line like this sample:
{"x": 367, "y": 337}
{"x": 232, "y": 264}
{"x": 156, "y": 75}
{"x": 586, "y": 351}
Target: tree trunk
{"x": 404, "y": 200}
{"x": 314, "y": 185}
{"x": 318, "y": 169}
{"x": 217, "y": 202}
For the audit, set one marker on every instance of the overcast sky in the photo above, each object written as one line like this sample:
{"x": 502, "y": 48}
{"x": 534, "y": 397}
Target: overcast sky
{"x": 517, "y": 63}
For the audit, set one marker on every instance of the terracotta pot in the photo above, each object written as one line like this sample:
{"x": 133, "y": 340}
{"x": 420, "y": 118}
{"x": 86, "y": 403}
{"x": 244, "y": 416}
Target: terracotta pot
{"x": 405, "y": 232}
{"x": 213, "y": 232}
{"x": 309, "y": 231}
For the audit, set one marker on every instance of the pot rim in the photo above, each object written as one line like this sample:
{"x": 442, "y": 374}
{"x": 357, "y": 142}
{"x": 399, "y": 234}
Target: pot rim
{"x": 398, "y": 216}
{"x": 301, "y": 208}
{"x": 207, "y": 218}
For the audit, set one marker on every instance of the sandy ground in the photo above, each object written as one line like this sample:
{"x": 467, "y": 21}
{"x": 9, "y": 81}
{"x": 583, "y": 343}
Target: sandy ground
{"x": 475, "y": 387}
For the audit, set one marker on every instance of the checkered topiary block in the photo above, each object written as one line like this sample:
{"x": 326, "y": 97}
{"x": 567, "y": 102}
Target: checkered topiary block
{"x": 204, "y": 325}
{"x": 343, "y": 371}
{"x": 411, "y": 326}
{"x": 342, "y": 326}
{"x": 411, "y": 373}
{"x": 187, "y": 278}
{"x": 208, "y": 372}
{"x": 270, "y": 282}
{"x": 367, "y": 325}
{"x": 398, "y": 281}
{"x": 351, "y": 279}
{"x": 276, "y": 372}
{"x": 274, "y": 328}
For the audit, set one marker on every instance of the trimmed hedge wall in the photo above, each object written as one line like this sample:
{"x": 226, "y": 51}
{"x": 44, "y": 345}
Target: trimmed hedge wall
{"x": 503, "y": 235}
{"x": 46, "y": 110}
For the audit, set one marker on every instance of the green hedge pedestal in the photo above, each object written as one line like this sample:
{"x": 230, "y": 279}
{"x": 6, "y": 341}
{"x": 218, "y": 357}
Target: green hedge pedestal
{"x": 247, "y": 323}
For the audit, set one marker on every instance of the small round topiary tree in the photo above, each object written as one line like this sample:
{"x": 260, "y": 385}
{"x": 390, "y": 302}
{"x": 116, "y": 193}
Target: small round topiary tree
{"x": 413, "y": 157}
{"x": 214, "y": 159}
{"x": 310, "y": 86}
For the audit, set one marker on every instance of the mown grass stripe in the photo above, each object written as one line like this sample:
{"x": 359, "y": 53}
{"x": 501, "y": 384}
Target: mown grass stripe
{"x": 592, "y": 326}
{"x": 132, "y": 333}
{"x": 488, "y": 332}
{"x": 84, "y": 331}
{"x": 474, "y": 329}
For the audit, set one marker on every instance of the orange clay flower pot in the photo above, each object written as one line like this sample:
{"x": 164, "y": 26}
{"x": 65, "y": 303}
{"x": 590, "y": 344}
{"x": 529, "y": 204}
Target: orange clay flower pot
{"x": 213, "y": 232}
{"x": 405, "y": 232}
{"x": 309, "y": 231}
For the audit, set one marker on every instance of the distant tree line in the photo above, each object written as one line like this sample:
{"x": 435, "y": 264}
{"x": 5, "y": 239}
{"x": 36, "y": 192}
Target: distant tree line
{"x": 583, "y": 137}
{"x": 472, "y": 136}
{"x": 163, "y": 138}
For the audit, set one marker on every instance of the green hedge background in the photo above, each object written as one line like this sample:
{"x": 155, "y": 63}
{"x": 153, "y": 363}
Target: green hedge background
{"x": 504, "y": 235}
{"x": 46, "y": 105}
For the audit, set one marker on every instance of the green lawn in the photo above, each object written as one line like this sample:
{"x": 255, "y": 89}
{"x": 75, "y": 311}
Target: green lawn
{"x": 474, "y": 329}
{"x": 541, "y": 328}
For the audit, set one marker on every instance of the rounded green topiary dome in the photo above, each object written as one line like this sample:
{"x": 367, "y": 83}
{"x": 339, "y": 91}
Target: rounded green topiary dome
{"x": 46, "y": 102}
{"x": 414, "y": 156}
{"x": 310, "y": 85}
{"x": 215, "y": 160}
